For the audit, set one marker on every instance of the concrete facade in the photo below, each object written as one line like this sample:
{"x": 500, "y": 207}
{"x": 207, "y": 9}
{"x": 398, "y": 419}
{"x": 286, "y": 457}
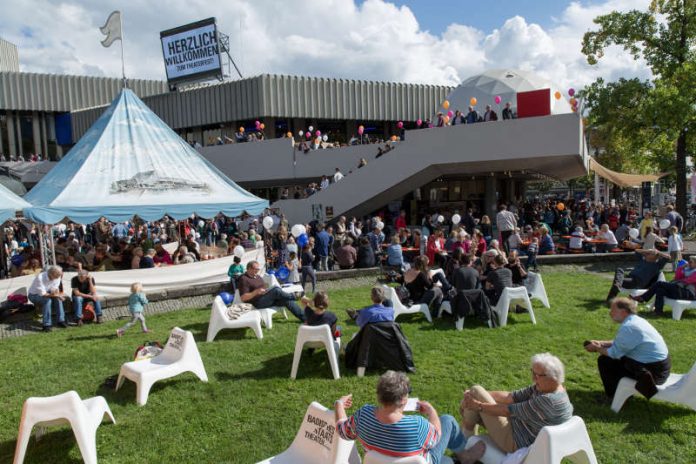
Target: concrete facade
{"x": 9, "y": 58}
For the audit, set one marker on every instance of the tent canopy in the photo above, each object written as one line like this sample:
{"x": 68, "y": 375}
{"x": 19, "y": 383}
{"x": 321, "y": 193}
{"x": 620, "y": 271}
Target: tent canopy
{"x": 131, "y": 163}
{"x": 621, "y": 179}
{"x": 10, "y": 203}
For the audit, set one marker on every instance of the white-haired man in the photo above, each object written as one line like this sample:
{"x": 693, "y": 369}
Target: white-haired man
{"x": 46, "y": 291}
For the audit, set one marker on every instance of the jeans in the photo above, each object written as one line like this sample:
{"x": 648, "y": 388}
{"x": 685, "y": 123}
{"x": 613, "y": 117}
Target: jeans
{"x": 135, "y": 317}
{"x": 663, "y": 290}
{"x": 78, "y": 301}
{"x": 451, "y": 439}
{"x": 308, "y": 273}
{"x": 277, "y": 297}
{"x": 46, "y": 303}
{"x": 323, "y": 263}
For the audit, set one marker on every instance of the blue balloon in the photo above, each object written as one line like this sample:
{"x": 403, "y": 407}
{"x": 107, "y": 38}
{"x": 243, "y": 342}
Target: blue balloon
{"x": 302, "y": 240}
{"x": 283, "y": 273}
{"x": 682, "y": 262}
{"x": 227, "y": 298}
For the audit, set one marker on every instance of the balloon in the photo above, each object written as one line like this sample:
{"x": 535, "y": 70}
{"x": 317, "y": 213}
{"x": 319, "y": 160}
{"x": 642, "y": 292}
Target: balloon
{"x": 297, "y": 230}
{"x": 560, "y": 206}
{"x": 446, "y": 118}
{"x": 257, "y": 123}
{"x": 318, "y": 133}
{"x": 361, "y": 129}
{"x": 241, "y": 129}
{"x": 394, "y": 138}
{"x": 301, "y": 133}
{"x": 310, "y": 128}
{"x": 498, "y": 99}
{"x": 201, "y": 223}
{"x": 445, "y": 104}
{"x": 309, "y": 135}
{"x": 571, "y": 91}
{"x": 440, "y": 219}
{"x": 302, "y": 240}
{"x": 633, "y": 233}
{"x": 681, "y": 262}
{"x": 664, "y": 224}
{"x": 226, "y": 297}
{"x": 419, "y": 122}
{"x": 380, "y": 225}
{"x": 557, "y": 95}
{"x": 456, "y": 219}
{"x": 325, "y": 137}
{"x": 573, "y": 101}
{"x": 289, "y": 134}
{"x": 473, "y": 101}
{"x": 238, "y": 251}
{"x": 283, "y": 273}
{"x": 400, "y": 124}
{"x": 268, "y": 222}
{"x": 450, "y": 114}
{"x": 262, "y": 126}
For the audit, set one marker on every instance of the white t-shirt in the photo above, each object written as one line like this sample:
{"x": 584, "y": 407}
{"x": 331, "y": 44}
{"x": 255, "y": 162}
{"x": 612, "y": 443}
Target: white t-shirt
{"x": 338, "y": 176}
{"x": 576, "y": 240}
{"x": 674, "y": 243}
{"x": 42, "y": 284}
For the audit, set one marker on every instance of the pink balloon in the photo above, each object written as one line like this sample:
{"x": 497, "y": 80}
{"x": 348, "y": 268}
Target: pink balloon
{"x": 257, "y": 123}
{"x": 498, "y": 99}
{"x": 309, "y": 135}
{"x": 318, "y": 133}
{"x": 400, "y": 124}
{"x": 360, "y": 130}
{"x": 419, "y": 123}
{"x": 450, "y": 114}
{"x": 571, "y": 91}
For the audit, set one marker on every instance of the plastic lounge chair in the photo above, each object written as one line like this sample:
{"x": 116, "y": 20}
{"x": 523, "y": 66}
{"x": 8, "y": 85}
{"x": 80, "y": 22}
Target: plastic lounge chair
{"x": 568, "y": 440}
{"x": 640, "y": 291}
{"x": 535, "y": 287}
{"x": 265, "y": 313}
{"x": 272, "y": 281}
{"x": 219, "y": 320}
{"x": 84, "y": 416}
{"x": 179, "y": 355}
{"x": 510, "y": 296}
{"x": 373, "y": 457}
{"x": 400, "y": 308}
{"x": 316, "y": 337}
{"x": 317, "y": 442}
{"x": 679, "y": 388}
{"x": 679, "y": 306}
{"x": 446, "y": 307}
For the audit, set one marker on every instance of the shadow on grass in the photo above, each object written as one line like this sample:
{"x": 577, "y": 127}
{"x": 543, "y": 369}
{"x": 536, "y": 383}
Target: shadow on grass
{"x": 54, "y": 446}
{"x": 639, "y": 415}
{"x": 311, "y": 366}
{"x": 592, "y": 304}
{"x": 127, "y": 393}
{"x": 111, "y": 335}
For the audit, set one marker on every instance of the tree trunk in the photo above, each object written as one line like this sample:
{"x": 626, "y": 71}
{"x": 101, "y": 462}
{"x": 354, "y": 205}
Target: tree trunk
{"x": 681, "y": 174}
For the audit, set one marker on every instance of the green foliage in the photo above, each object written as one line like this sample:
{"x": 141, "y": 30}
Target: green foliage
{"x": 250, "y": 409}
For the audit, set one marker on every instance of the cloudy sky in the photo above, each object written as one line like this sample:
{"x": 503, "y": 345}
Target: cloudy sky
{"x": 418, "y": 41}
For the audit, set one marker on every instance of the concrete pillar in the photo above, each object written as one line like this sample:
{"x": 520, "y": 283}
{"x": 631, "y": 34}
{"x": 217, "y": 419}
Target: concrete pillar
{"x": 198, "y": 135}
{"x": 2, "y": 150}
{"x": 18, "y": 126}
{"x": 11, "y": 134}
{"x": 297, "y": 125}
{"x": 489, "y": 197}
{"x": 351, "y": 130}
{"x": 509, "y": 190}
{"x": 270, "y": 130}
{"x": 44, "y": 136}
{"x": 36, "y": 131}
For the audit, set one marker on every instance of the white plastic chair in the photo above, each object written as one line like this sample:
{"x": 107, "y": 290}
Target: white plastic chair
{"x": 219, "y": 320}
{"x": 679, "y": 306}
{"x": 567, "y": 440}
{"x": 84, "y": 416}
{"x": 446, "y": 307}
{"x": 272, "y": 281}
{"x": 265, "y": 313}
{"x": 679, "y": 388}
{"x": 399, "y": 307}
{"x": 316, "y": 337}
{"x": 179, "y": 355}
{"x": 535, "y": 287}
{"x": 510, "y": 296}
{"x": 373, "y": 457}
{"x": 640, "y": 291}
{"x": 310, "y": 447}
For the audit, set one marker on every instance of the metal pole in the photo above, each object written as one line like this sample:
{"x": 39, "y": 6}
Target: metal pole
{"x": 123, "y": 61}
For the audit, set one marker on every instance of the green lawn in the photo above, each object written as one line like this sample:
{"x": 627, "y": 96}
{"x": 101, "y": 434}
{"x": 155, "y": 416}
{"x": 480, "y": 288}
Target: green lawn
{"x": 250, "y": 409}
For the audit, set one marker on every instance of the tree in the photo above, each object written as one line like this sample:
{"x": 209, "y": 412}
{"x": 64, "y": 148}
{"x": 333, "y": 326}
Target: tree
{"x": 665, "y": 37}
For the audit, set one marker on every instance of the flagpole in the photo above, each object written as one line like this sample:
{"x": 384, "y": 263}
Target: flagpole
{"x": 123, "y": 61}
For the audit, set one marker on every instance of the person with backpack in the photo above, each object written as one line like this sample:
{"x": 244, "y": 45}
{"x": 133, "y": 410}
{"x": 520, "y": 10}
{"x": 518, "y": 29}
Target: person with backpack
{"x": 136, "y": 304}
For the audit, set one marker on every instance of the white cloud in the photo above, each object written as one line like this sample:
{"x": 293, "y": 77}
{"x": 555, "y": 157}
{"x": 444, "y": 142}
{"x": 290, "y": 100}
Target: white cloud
{"x": 334, "y": 38}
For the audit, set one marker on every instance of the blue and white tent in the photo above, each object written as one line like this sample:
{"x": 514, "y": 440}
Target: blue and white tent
{"x": 131, "y": 163}
{"x": 10, "y": 203}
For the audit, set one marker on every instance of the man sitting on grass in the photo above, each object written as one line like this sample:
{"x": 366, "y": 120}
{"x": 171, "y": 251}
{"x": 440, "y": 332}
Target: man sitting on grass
{"x": 253, "y": 290}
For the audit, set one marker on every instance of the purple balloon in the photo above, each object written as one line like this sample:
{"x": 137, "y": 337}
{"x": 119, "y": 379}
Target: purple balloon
{"x": 400, "y": 124}
{"x": 419, "y": 122}
{"x": 571, "y": 91}
{"x": 318, "y": 133}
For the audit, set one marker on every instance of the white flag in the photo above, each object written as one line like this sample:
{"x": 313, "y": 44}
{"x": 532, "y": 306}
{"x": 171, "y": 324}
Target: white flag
{"x": 112, "y": 29}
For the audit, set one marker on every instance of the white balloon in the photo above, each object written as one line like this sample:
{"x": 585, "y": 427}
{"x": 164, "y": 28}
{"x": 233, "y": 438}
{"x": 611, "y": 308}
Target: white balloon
{"x": 297, "y": 230}
{"x": 456, "y": 219}
{"x": 441, "y": 219}
{"x": 633, "y": 233}
{"x": 238, "y": 251}
{"x": 310, "y": 128}
{"x": 664, "y": 224}
{"x": 201, "y": 223}
{"x": 380, "y": 225}
{"x": 301, "y": 133}
{"x": 268, "y": 222}
{"x": 325, "y": 137}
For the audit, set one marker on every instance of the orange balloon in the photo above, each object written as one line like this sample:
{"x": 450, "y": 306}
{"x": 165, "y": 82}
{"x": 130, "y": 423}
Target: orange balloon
{"x": 241, "y": 129}
{"x": 560, "y": 206}
{"x": 262, "y": 126}
{"x": 446, "y": 119}
{"x": 473, "y": 101}
{"x": 393, "y": 138}
{"x": 445, "y": 104}
{"x": 557, "y": 95}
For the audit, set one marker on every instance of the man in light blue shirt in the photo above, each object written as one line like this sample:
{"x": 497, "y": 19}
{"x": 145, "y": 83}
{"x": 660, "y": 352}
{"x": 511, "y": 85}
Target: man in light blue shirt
{"x": 638, "y": 351}
{"x": 378, "y": 312}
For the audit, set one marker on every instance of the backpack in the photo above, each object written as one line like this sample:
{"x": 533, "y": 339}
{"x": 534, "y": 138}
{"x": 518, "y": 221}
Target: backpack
{"x": 88, "y": 313}
{"x": 403, "y": 294}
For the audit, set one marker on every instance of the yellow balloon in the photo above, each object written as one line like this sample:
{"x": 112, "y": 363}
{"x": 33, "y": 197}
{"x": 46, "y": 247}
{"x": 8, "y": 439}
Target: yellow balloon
{"x": 473, "y": 101}
{"x": 573, "y": 101}
{"x": 241, "y": 129}
{"x": 445, "y": 104}
{"x": 557, "y": 95}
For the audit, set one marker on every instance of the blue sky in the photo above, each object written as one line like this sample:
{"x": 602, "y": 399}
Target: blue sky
{"x": 435, "y": 16}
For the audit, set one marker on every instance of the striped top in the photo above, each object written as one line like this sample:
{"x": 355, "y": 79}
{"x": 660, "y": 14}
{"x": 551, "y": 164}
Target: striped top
{"x": 532, "y": 410}
{"x": 413, "y": 435}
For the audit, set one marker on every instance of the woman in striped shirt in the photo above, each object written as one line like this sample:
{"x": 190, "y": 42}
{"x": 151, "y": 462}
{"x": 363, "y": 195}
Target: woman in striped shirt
{"x": 386, "y": 430}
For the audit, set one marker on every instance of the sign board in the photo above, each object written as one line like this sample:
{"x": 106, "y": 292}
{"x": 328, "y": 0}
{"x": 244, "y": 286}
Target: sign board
{"x": 191, "y": 52}
{"x": 534, "y": 103}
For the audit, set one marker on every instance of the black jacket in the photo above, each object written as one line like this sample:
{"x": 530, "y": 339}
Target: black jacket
{"x": 380, "y": 345}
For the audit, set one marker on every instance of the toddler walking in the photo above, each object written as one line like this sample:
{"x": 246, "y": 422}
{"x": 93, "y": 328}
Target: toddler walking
{"x": 136, "y": 303}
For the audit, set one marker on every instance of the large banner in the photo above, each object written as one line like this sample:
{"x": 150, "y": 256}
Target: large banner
{"x": 191, "y": 52}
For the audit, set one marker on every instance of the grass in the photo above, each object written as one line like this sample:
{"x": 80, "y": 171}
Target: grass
{"x": 250, "y": 409}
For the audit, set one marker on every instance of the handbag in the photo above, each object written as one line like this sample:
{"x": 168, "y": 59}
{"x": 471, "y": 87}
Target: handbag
{"x": 403, "y": 294}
